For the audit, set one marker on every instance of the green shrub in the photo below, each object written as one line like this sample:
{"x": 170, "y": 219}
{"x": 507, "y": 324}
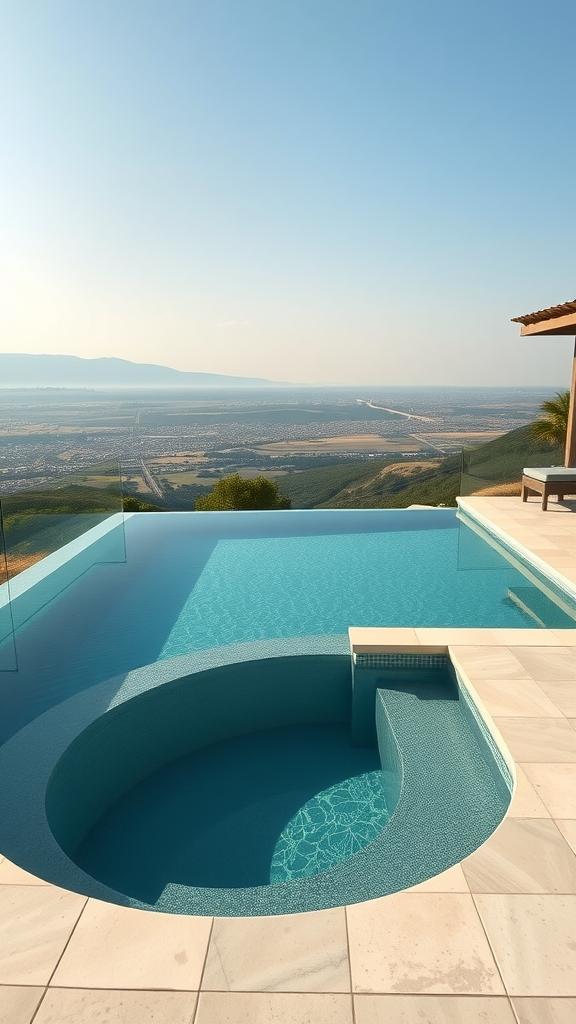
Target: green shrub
{"x": 234, "y": 493}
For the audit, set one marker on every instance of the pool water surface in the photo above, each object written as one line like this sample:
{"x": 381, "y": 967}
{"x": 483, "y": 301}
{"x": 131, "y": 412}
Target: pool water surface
{"x": 192, "y": 582}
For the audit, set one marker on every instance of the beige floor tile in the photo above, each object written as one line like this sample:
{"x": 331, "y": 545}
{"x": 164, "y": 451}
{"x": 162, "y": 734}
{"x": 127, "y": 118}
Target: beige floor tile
{"x": 557, "y": 559}
{"x": 11, "y": 874}
{"x": 531, "y": 540}
{"x": 545, "y": 1011}
{"x": 528, "y": 855}
{"x": 433, "y": 1010}
{"x": 273, "y": 1008}
{"x": 432, "y": 637}
{"x": 560, "y": 533}
{"x": 533, "y": 938}
{"x": 116, "y": 947}
{"x": 538, "y": 739}
{"x": 563, "y": 693}
{"x": 458, "y": 637}
{"x": 567, "y": 827}
{"x": 35, "y": 925}
{"x": 570, "y": 574}
{"x": 420, "y": 943}
{"x": 18, "y": 1003}
{"x": 566, "y": 636}
{"x": 99, "y": 1006}
{"x": 490, "y": 663}
{"x": 366, "y": 638}
{"x": 296, "y": 953}
{"x": 543, "y": 663}
{"x": 520, "y": 698}
{"x": 555, "y": 784}
{"x": 528, "y": 638}
{"x": 452, "y": 880}
{"x": 526, "y": 803}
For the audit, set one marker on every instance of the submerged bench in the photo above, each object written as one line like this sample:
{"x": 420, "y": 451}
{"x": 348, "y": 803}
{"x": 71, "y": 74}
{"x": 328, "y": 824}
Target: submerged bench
{"x": 547, "y": 480}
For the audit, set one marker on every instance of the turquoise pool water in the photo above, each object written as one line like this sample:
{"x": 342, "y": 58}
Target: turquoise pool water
{"x": 197, "y": 581}
{"x": 260, "y": 587}
{"x": 237, "y": 790}
{"x": 258, "y": 809}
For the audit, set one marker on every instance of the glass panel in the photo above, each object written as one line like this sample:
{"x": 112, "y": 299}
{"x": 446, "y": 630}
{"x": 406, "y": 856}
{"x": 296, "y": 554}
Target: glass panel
{"x": 53, "y": 534}
{"x": 7, "y": 647}
{"x": 486, "y": 470}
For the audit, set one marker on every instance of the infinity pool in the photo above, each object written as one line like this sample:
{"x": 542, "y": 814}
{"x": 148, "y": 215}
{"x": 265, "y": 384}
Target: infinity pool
{"x": 191, "y": 582}
{"x": 184, "y": 729}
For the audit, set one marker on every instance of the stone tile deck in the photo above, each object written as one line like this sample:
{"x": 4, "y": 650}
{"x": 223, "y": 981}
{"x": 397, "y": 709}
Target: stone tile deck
{"x": 490, "y": 940}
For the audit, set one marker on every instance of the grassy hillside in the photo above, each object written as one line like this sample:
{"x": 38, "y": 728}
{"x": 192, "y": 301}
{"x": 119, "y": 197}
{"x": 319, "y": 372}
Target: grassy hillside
{"x": 436, "y": 481}
{"x": 503, "y": 459}
{"x": 397, "y": 485}
{"x": 313, "y": 487}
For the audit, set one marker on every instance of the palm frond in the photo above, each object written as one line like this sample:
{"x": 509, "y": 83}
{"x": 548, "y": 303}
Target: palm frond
{"x": 552, "y": 427}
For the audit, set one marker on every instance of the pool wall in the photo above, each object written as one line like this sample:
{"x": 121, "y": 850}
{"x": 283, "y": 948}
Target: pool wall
{"x": 391, "y": 759}
{"x": 164, "y": 723}
{"x": 64, "y": 769}
{"x": 560, "y": 589}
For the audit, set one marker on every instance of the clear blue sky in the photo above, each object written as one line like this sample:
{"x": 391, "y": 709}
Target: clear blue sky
{"x": 307, "y": 190}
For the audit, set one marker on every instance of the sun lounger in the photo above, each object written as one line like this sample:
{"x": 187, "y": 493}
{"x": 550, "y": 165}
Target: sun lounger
{"x": 547, "y": 480}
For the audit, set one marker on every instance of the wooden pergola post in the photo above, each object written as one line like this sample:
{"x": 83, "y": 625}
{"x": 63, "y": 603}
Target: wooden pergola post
{"x": 557, "y": 320}
{"x": 570, "y": 452}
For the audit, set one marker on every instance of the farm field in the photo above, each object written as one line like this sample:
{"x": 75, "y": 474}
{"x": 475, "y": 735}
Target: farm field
{"x": 46, "y": 433}
{"x": 344, "y": 442}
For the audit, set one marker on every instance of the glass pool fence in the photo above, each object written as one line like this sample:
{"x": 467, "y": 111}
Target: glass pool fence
{"x": 37, "y": 523}
{"x": 488, "y": 471}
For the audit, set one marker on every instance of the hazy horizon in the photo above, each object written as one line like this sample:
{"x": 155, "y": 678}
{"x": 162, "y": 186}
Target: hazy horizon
{"x": 263, "y": 383}
{"x": 325, "y": 193}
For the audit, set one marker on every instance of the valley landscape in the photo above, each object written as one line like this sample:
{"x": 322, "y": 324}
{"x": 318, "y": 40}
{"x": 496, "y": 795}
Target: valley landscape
{"x": 321, "y": 444}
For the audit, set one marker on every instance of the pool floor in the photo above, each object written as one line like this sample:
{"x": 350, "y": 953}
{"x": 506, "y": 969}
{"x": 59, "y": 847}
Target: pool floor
{"x": 256, "y": 809}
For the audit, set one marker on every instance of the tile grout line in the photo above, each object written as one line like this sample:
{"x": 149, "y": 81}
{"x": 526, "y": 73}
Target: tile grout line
{"x": 40, "y": 1001}
{"x": 490, "y": 947}
{"x": 97, "y": 988}
{"x": 66, "y": 944}
{"x": 555, "y": 703}
{"x": 513, "y": 1008}
{"x": 349, "y": 965}
{"x": 288, "y": 992}
{"x": 202, "y": 973}
{"x": 194, "y": 1008}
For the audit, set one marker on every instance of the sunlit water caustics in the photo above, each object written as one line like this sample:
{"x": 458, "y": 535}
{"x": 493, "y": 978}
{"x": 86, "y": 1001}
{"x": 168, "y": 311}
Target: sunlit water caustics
{"x": 263, "y": 808}
{"x": 196, "y": 581}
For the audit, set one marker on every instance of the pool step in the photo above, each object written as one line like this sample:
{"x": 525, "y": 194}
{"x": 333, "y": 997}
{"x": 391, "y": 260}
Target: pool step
{"x": 539, "y": 607}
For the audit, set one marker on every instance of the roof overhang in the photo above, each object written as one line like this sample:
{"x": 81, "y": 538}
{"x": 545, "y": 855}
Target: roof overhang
{"x": 555, "y": 320}
{"x": 560, "y": 325}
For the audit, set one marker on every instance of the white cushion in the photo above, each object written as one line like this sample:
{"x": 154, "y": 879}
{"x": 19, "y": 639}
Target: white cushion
{"x": 552, "y": 474}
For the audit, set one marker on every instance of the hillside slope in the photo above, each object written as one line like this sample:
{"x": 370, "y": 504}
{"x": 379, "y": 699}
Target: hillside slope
{"x": 503, "y": 459}
{"x": 311, "y": 488}
{"x": 437, "y": 481}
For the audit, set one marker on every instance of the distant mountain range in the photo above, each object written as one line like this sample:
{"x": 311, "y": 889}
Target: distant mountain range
{"x": 36, "y": 371}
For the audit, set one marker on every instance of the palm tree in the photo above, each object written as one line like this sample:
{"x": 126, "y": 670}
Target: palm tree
{"x": 553, "y": 426}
